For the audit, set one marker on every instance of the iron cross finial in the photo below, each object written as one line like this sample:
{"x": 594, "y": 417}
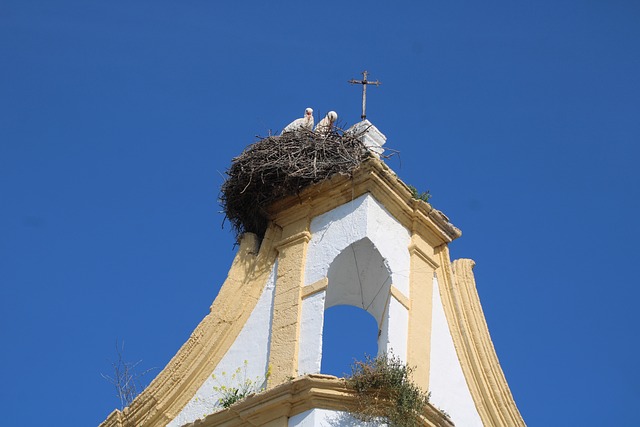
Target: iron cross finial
{"x": 364, "y": 82}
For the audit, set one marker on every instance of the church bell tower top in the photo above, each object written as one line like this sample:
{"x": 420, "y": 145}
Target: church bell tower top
{"x": 321, "y": 222}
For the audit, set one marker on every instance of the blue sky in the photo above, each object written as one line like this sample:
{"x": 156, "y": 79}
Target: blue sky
{"x": 118, "y": 120}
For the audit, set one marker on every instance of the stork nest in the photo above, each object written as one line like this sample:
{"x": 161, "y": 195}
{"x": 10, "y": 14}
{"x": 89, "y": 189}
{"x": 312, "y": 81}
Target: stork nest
{"x": 280, "y": 166}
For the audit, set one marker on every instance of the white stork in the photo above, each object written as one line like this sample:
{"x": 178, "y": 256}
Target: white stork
{"x": 326, "y": 124}
{"x": 305, "y": 122}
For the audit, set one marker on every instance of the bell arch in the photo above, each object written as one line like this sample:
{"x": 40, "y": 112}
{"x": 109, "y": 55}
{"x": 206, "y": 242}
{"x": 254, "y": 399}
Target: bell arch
{"x": 364, "y": 217}
{"x": 361, "y": 277}
{"x": 358, "y": 277}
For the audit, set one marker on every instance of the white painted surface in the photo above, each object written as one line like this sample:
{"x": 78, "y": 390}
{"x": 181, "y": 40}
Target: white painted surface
{"x": 360, "y": 277}
{"x": 395, "y": 335}
{"x": 325, "y": 418}
{"x": 362, "y": 249}
{"x": 383, "y": 335}
{"x": 311, "y": 323}
{"x": 372, "y": 138}
{"x": 448, "y": 387}
{"x": 363, "y": 217}
{"x": 252, "y": 345}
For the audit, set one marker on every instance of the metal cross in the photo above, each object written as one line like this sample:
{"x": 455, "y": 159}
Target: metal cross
{"x": 364, "y": 82}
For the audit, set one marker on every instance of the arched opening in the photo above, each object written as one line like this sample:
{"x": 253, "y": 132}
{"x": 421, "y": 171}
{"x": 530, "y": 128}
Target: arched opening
{"x": 349, "y": 333}
{"x": 359, "y": 276}
{"x": 357, "y": 298}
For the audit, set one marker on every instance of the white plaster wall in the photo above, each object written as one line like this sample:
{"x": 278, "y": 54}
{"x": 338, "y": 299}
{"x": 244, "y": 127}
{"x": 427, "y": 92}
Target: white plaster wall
{"x": 447, "y": 384}
{"x": 252, "y": 345}
{"x": 326, "y": 418}
{"x": 363, "y": 217}
{"x": 359, "y": 276}
{"x": 311, "y": 324}
{"x": 378, "y": 258}
{"x": 383, "y": 338}
{"x": 395, "y": 331}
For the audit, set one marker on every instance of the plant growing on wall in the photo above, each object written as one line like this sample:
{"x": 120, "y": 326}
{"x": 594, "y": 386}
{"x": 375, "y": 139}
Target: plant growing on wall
{"x": 237, "y": 386}
{"x": 424, "y": 196}
{"x": 385, "y": 392}
{"x": 126, "y": 377}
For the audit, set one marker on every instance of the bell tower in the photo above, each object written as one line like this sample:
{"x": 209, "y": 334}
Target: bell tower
{"x": 358, "y": 239}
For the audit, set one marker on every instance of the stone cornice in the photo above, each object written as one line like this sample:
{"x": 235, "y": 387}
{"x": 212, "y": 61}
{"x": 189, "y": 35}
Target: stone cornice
{"x": 374, "y": 177}
{"x": 415, "y": 249}
{"x": 294, "y": 397}
{"x": 303, "y": 236}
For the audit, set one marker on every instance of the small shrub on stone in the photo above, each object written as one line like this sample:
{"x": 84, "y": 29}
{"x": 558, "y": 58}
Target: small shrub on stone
{"x": 424, "y": 196}
{"x": 385, "y": 392}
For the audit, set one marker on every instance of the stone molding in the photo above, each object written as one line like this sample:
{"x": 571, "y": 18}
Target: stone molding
{"x": 314, "y": 288}
{"x": 475, "y": 350}
{"x": 400, "y": 297}
{"x": 274, "y": 406}
{"x": 374, "y": 177}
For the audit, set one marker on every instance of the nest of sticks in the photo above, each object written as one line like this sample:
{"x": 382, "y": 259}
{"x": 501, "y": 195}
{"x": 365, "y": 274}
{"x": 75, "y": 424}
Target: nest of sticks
{"x": 279, "y": 166}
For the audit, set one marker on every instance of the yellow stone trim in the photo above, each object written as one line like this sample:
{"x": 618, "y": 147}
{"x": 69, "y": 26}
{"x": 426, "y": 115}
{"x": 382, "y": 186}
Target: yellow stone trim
{"x": 374, "y": 177}
{"x": 486, "y": 381}
{"x": 400, "y": 297}
{"x": 274, "y": 407}
{"x": 178, "y": 382}
{"x": 415, "y": 249}
{"x": 113, "y": 420}
{"x": 421, "y": 271}
{"x": 302, "y": 236}
{"x": 314, "y": 288}
{"x": 287, "y": 302}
